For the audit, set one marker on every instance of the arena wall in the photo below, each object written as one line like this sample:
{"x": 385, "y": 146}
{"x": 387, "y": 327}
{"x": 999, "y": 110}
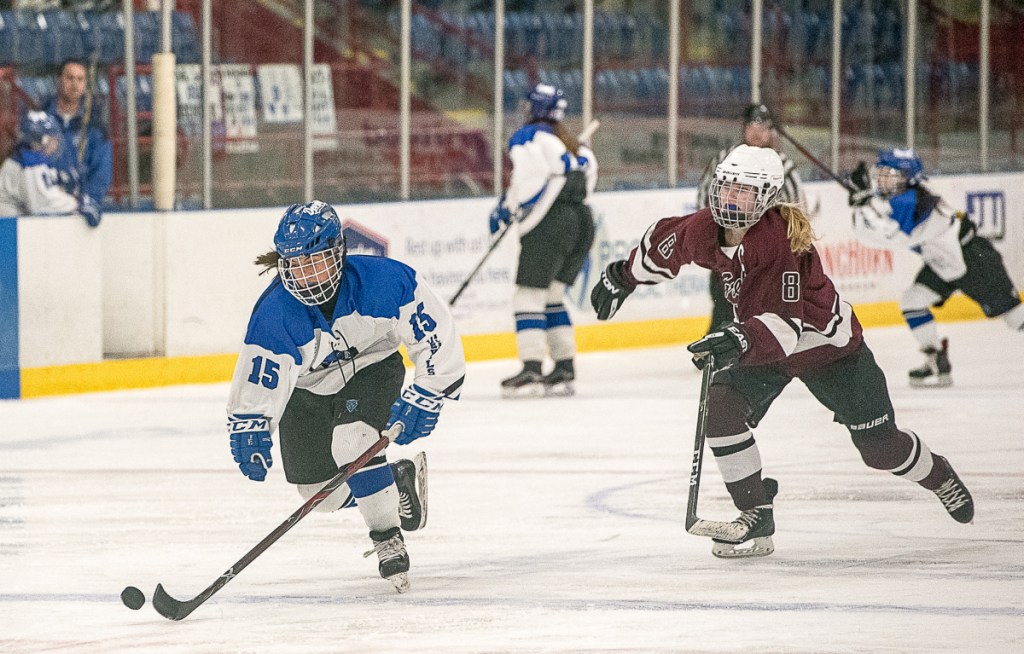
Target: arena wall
{"x": 163, "y": 298}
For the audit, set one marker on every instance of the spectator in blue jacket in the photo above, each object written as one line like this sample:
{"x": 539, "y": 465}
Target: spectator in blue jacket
{"x": 93, "y": 163}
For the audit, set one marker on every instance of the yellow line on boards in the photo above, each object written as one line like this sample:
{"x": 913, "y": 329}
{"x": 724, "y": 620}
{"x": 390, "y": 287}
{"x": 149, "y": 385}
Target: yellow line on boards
{"x": 115, "y": 374}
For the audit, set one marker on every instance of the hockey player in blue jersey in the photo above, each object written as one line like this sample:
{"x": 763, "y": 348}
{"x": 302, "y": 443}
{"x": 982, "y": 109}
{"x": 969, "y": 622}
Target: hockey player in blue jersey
{"x": 31, "y": 181}
{"x": 892, "y": 208}
{"x": 552, "y": 177}
{"x": 320, "y": 366}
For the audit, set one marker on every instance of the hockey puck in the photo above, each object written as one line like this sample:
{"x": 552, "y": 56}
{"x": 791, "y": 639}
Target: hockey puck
{"x": 133, "y": 598}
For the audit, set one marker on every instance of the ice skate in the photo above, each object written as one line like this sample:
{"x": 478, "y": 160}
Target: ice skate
{"x": 955, "y": 496}
{"x": 935, "y": 373}
{"x": 393, "y": 560}
{"x": 561, "y": 380}
{"x": 753, "y": 527}
{"x": 528, "y": 383}
{"x": 411, "y": 479}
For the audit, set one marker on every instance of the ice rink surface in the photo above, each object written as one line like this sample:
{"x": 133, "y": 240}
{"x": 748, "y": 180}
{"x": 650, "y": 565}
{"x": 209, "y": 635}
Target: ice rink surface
{"x": 555, "y": 524}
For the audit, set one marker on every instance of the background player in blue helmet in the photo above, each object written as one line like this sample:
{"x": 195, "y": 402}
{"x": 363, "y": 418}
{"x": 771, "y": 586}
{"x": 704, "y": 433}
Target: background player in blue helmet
{"x": 320, "y": 365}
{"x": 892, "y": 208}
{"x": 31, "y": 183}
{"x": 552, "y": 177}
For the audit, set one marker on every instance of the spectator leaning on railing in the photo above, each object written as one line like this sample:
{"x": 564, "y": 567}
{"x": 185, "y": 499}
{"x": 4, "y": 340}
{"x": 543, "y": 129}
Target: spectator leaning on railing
{"x": 80, "y": 121}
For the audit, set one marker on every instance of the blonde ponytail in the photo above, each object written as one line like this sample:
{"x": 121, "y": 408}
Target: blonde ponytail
{"x": 798, "y": 230}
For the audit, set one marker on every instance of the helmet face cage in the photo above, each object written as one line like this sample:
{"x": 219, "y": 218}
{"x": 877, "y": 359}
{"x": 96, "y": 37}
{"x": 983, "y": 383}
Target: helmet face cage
{"x": 312, "y": 278}
{"x": 311, "y": 249}
{"x": 888, "y": 181}
{"x": 896, "y": 170}
{"x": 746, "y": 184}
{"x": 735, "y": 204}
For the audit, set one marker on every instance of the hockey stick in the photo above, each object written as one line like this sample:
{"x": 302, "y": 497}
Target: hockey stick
{"x": 844, "y": 182}
{"x": 173, "y": 609}
{"x": 583, "y": 137}
{"x": 90, "y": 90}
{"x": 483, "y": 259}
{"x": 695, "y": 525}
{"x": 698, "y": 444}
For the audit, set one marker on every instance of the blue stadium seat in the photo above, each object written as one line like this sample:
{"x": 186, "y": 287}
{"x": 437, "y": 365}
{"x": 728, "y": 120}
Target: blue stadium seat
{"x": 8, "y": 38}
{"x": 63, "y": 37}
{"x": 30, "y": 47}
{"x": 108, "y": 31}
{"x": 185, "y": 38}
{"x": 147, "y": 36}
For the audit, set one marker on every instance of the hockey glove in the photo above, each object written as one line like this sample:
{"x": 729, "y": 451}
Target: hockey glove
{"x": 417, "y": 409}
{"x": 70, "y": 181}
{"x": 89, "y": 210}
{"x": 250, "y": 445}
{"x": 725, "y": 345}
{"x": 500, "y": 216}
{"x": 611, "y": 290}
{"x": 860, "y": 180}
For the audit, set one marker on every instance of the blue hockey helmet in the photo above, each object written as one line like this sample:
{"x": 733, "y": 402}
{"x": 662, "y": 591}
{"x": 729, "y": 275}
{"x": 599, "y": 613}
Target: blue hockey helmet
{"x": 311, "y": 249}
{"x": 547, "y": 102}
{"x": 896, "y": 170}
{"x": 40, "y": 132}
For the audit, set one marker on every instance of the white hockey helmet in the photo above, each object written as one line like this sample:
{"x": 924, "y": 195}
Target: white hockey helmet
{"x": 746, "y": 184}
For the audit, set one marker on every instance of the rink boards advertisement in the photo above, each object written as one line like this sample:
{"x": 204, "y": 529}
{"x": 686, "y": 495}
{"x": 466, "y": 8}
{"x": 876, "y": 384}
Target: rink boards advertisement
{"x": 165, "y": 298}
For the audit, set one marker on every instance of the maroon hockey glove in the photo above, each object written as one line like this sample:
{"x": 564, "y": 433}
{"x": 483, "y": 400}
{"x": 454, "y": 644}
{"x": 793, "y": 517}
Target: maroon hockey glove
{"x": 726, "y": 345}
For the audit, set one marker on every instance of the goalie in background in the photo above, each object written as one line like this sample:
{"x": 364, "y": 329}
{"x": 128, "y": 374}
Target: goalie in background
{"x": 31, "y": 183}
{"x": 553, "y": 175}
{"x": 790, "y": 323}
{"x": 892, "y": 208}
{"x": 320, "y": 365}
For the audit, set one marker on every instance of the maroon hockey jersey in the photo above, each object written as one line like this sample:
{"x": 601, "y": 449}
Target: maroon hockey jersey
{"x": 788, "y": 306}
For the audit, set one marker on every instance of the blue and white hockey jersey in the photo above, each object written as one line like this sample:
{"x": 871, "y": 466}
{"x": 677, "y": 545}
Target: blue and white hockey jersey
{"x": 917, "y": 220}
{"x": 540, "y": 162}
{"x": 30, "y": 186}
{"x": 381, "y": 304}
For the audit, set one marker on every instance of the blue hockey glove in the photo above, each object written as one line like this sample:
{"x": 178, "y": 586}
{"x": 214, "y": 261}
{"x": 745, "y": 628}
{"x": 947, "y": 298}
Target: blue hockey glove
{"x": 417, "y": 409}
{"x": 500, "y": 216}
{"x": 611, "y": 290}
{"x": 726, "y": 345}
{"x": 89, "y": 210}
{"x": 70, "y": 181}
{"x": 860, "y": 180}
{"x": 250, "y": 445}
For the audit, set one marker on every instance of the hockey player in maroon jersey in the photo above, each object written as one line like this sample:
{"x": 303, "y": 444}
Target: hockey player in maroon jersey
{"x": 789, "y": 322}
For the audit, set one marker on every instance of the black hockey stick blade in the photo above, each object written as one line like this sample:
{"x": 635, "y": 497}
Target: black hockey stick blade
{"x": 173, "y": 609}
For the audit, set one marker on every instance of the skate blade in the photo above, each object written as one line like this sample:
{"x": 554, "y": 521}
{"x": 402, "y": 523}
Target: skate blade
{"x": 420, "y": 461}
{"x": 400, "y": 581}
{"x": 938, "y": 381}
{"x": 528, "y": 390}
{"x": 561, "y": 389}
{"x": 762, "y": 546}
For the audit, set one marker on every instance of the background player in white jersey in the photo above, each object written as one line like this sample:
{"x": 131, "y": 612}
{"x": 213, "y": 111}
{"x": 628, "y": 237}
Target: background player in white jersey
{"x": 552, "y": 177}
{"x": 759, "y": 132}
{"x": 31, "y": 183}
{"x": 320, "y": 365}
{"x": 790, "y": 323}
{"x": 892, "y": 208}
